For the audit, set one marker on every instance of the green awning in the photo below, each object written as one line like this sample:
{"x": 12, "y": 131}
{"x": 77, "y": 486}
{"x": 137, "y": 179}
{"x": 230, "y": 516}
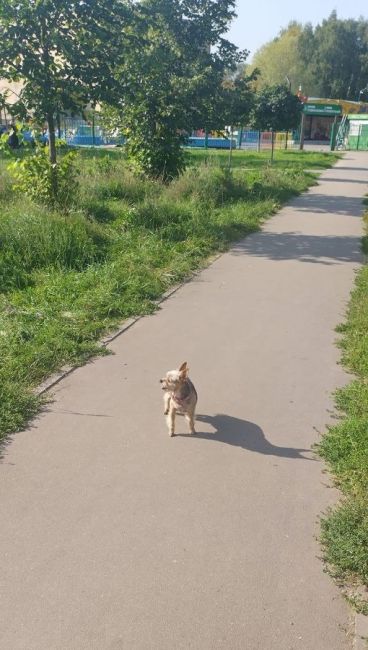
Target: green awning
{"x": 322, "y": 109}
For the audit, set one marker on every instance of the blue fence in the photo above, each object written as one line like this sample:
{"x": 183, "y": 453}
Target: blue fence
{"x": 260, "y": 140}
{"x": 249, "y": 140}
{"x": 212, "y": 143}
{"x": 82, "y": 133}
{"x": 78, "y": 132}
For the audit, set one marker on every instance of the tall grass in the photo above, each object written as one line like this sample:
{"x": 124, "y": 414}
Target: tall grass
{"x": 31, "y": 240}
{"x": 68, "y": 278}
{"x": 345, "y": 448}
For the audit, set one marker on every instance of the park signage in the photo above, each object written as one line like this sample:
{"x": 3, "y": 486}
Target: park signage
{"x": 322, "y": 109}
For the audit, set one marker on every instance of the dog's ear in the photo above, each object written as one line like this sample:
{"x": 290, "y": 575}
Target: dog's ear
{"x": 183, "y": 369}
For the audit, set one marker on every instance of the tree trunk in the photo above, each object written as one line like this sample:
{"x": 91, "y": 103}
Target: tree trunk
{"x": 240, "y": 137}
{"x": 52, "y": 138}
{"x": 58, "y": 122}
{"x": 52, "y": 154}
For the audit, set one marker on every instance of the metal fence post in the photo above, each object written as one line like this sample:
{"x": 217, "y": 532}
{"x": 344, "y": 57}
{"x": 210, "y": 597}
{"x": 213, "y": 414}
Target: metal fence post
{"x": 333, "y": 135}
{"x": 240, "y": 137}
{"x": 359, "y": 134}
{"x": 272, "y": 144}
{"x": 302, "y": 125}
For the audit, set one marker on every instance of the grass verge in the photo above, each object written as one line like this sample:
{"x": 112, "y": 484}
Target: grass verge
{"x": 66, "y": 279}
{"x": 345, "y": 448}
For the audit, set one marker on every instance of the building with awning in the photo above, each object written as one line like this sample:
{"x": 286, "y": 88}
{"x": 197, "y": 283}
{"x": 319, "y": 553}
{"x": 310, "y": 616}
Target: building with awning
{"x": 318, "y": 120}
{"x": 319, "y": 116}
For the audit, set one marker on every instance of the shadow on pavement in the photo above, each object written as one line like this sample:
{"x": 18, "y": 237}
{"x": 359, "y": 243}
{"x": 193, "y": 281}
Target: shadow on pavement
{"x": 315, "y": 249}
{"x": 244, "y": 434}
{"x": 350, "y": 206}
{"x": 67, "y": 412}
{"x": 351, "y": 169}
{"x": 350, "y": 180}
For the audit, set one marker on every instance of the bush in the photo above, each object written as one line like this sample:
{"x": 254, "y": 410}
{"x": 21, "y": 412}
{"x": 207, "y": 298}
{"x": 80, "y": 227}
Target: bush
{"x": 158, "y": 155}
{"x": 44, "y": 182}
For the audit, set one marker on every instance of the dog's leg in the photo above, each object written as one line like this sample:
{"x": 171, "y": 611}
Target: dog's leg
{"x": 167, "y": 400}
{"x": 171, "y": 420}
{"x": 190, "y": 418}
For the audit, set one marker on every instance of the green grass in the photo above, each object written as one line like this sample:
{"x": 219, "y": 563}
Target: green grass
{"x": 345, "y": 448}
{"x": 282, "y": 159}
{"x": 66, "y": 279}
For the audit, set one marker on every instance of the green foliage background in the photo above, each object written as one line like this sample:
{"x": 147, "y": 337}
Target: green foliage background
{"x": 328, "y": 60}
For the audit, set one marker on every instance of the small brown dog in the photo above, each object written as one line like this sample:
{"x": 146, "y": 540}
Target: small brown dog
{"x": 180, "y": 396}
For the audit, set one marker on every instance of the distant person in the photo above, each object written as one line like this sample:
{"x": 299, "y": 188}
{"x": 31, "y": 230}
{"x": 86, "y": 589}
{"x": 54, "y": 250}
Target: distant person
{"x": 13, "y": 140}
{"x": 44, "y": 137}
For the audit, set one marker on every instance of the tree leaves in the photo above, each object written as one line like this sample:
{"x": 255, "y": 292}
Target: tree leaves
{"x": 276, "y": 108}
{"x": 329, "y": 60}
{"x": 171, "y": 83}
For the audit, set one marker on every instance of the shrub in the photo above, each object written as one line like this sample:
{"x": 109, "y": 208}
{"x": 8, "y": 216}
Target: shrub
{"x": 44, "y": 182}
{"x": 159, "y": 155}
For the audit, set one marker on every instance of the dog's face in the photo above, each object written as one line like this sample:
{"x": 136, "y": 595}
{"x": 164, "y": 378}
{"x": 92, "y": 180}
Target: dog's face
{"x": 174, "y": 378}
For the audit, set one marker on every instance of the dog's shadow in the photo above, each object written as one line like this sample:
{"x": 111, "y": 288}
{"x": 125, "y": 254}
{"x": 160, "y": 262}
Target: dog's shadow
{"x": 241, "y": 433}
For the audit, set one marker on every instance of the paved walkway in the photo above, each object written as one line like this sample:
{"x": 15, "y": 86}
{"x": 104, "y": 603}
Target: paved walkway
{"x": 116, "y": 537}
